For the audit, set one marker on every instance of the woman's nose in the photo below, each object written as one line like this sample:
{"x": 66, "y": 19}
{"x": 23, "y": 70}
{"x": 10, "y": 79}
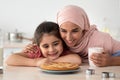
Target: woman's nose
{"x": 69, "y": 37}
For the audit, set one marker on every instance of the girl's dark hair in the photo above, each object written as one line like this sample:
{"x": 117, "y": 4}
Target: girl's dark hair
{"x": 49, "y": 28}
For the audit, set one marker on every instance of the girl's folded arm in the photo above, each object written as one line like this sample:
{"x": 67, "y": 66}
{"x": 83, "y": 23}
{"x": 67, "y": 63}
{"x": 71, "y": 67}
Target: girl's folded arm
{"x": 19, "y": 59}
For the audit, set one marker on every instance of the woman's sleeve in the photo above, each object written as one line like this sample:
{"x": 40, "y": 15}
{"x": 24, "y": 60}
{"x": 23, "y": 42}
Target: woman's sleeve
{"x": 115, "y": 46}
{"x": 116, "y": 53}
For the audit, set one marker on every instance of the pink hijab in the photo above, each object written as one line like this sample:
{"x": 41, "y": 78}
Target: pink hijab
{"x": 92, "y": 37}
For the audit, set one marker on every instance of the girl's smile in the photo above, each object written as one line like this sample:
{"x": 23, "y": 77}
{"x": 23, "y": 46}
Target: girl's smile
{"x": 51, "y": 46}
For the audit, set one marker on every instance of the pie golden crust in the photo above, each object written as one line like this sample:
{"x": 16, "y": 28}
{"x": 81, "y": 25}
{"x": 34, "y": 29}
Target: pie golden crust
{"x": 59, "y": 66}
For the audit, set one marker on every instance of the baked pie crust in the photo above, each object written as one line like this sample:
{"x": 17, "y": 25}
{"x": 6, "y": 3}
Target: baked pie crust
{"x": 59, "y": 66}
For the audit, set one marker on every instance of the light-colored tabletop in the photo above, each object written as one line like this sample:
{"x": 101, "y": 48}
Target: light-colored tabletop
{"x": 34, "y": 73}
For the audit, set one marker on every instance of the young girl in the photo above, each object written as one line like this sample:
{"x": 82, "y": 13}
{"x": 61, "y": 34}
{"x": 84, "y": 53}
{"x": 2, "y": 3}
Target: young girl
{"x": 48, "y": 46}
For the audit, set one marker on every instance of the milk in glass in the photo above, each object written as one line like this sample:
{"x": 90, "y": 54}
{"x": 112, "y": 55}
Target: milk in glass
{"x": 93, "y": 50}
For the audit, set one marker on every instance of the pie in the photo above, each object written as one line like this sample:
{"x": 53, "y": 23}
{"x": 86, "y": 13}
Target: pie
{"x": 59, "y": 66}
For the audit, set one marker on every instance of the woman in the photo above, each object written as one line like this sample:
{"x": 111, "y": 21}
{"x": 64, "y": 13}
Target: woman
{"x": 79, "y": 35}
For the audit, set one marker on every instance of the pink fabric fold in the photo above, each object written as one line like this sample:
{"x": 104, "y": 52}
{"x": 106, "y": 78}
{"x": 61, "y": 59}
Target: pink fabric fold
{"x": 75, "y": 15}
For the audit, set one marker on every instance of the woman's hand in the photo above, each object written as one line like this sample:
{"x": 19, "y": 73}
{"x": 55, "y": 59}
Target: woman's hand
{"x": 29, "y": 48}
{"x": 101, "y": 60}
{"x": 32, "y": 51}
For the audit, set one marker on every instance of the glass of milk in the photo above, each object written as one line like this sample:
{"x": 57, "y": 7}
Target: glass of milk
{"x": 94, "y": 50}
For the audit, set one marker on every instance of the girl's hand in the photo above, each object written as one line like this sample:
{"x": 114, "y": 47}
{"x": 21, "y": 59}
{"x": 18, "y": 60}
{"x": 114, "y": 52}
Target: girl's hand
{"x": 101, "y": 60}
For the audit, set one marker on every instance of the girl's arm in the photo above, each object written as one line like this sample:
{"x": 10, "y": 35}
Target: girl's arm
{"x": 70, "y": 57}
{"x": 23, "y": 58}
{"x": 18, "y": 59}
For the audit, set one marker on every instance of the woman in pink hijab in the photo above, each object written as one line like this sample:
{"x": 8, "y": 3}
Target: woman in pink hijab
{"x": 79, "y": 35}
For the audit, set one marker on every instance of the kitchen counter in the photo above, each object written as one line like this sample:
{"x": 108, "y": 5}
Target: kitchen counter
{"x": 13, "y": 47}
{"x": 34, "y": 73}
{"x": 22, "y": 44}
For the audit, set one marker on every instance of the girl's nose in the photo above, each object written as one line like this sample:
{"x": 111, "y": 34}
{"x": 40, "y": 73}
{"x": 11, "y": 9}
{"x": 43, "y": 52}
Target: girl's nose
{"x": 51, "y": 48}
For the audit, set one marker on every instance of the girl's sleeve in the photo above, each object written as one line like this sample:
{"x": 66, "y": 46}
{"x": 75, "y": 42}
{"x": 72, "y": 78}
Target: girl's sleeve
{"x": 65, "y": 52}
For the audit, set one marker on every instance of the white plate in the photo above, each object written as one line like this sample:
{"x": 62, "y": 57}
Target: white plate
{"x": 60, "y": 72}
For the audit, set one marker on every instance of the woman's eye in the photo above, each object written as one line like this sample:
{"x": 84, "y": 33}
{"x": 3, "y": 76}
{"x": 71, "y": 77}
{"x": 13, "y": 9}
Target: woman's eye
{"x": 75, "y": 31}
{"x": 62, "y": 30}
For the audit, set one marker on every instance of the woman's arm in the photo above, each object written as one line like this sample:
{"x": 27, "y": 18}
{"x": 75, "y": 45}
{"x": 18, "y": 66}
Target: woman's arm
{"x": 115, "y": 61}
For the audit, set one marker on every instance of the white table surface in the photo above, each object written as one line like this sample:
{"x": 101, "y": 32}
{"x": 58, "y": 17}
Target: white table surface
{"x": 33, "y": 73}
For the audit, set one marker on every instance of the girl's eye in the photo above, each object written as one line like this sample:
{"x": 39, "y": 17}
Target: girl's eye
{"x": 56, "y": 43}
{"x": 45, "y": 46}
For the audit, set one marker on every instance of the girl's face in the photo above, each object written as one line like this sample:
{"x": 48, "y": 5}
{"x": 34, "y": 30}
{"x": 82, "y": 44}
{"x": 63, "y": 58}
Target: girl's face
{"x": 71, "y": 33}
{"x": 51, "y": 46}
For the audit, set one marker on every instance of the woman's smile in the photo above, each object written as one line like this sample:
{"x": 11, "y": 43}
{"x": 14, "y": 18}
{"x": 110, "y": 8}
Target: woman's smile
{"x": 71, "y": 33}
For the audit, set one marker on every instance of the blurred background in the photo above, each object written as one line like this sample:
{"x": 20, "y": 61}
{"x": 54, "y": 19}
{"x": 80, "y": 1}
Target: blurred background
{"x": 23, "y": 16}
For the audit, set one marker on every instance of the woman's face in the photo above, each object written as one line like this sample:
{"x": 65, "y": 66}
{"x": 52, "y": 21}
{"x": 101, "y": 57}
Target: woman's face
{"x": 71, "y": 33}
{"x": 51, "y": 46}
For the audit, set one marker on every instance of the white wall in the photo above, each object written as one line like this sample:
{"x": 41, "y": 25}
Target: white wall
{"x": 25, "y": 15}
